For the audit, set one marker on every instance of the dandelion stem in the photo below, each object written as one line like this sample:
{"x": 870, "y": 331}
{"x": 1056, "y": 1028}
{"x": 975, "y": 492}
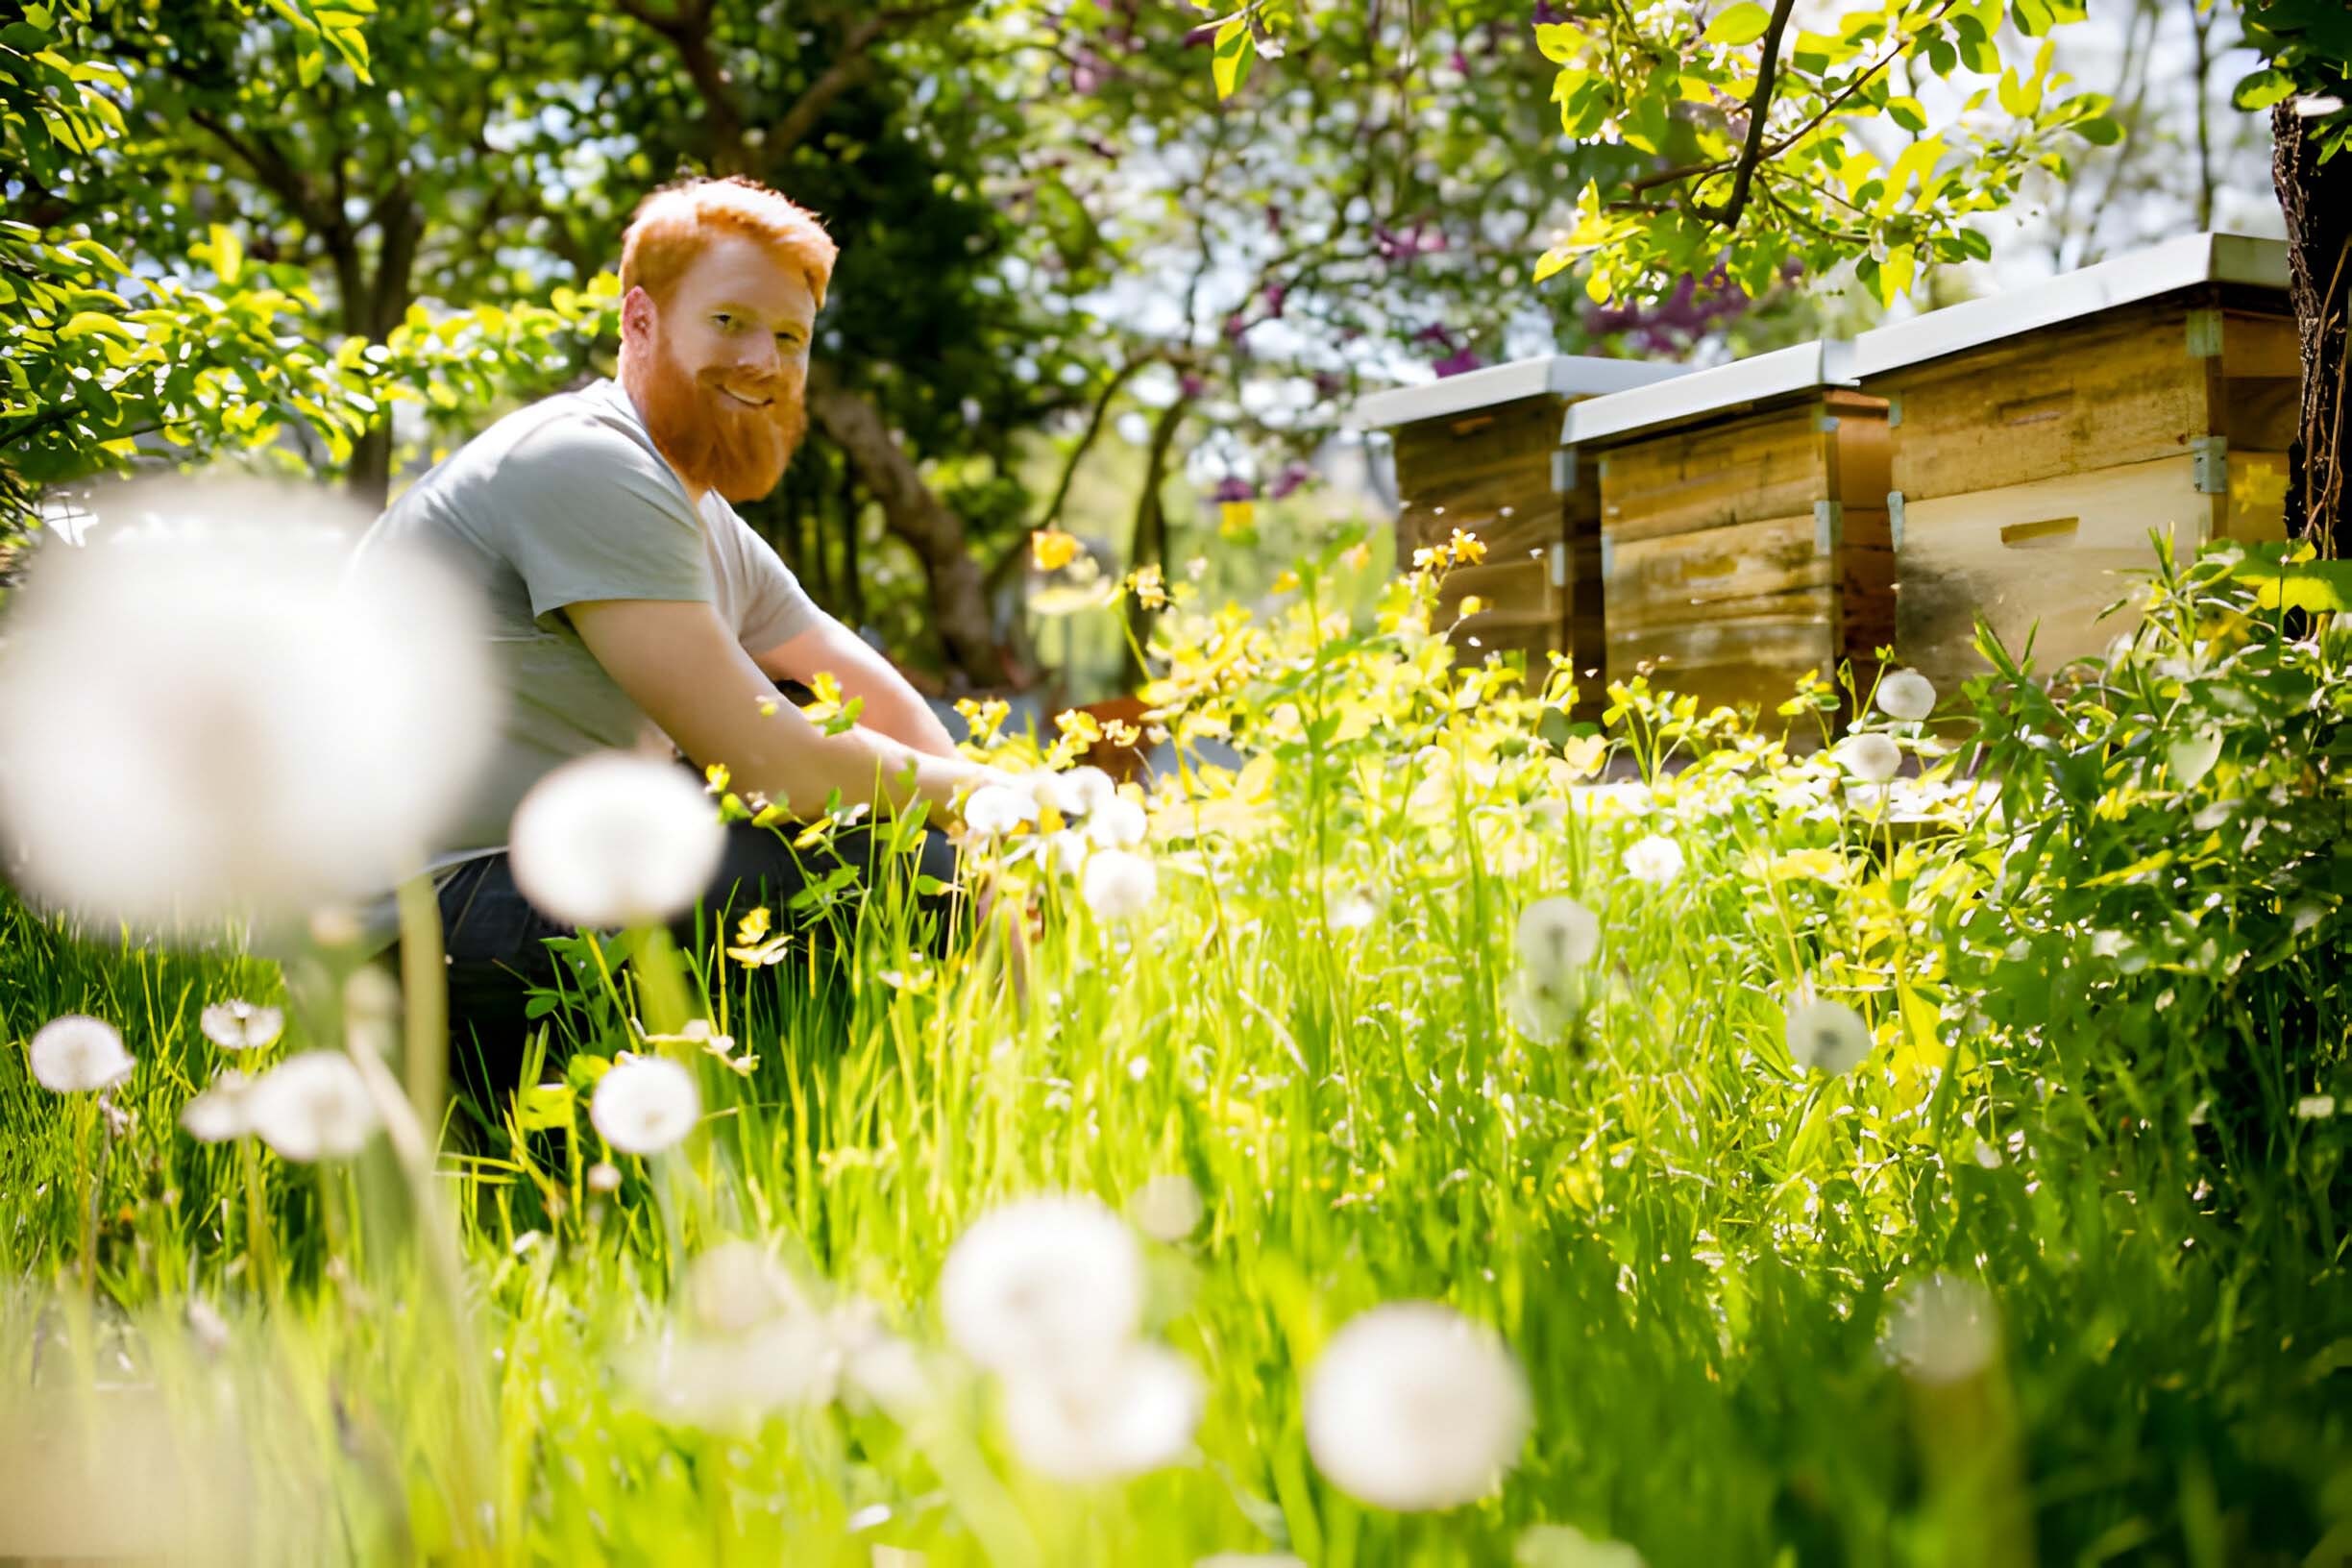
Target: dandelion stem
{"x": 425, "y": 990}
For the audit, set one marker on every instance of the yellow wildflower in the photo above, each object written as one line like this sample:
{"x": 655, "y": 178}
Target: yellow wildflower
{"x": 1050, "y": 549}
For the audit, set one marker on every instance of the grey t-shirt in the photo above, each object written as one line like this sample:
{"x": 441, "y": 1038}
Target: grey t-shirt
{"x": 564, "y": 501}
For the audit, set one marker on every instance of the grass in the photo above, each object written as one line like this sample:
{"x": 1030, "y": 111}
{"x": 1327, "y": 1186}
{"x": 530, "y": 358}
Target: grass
{"x": 1699, "y": 1253}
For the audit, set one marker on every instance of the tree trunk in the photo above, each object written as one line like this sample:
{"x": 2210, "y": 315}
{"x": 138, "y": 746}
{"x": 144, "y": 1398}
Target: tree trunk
{"x": 959, "y": 600}
{"x": 2317, "y": 202}
{"x": 1149, "y": 544}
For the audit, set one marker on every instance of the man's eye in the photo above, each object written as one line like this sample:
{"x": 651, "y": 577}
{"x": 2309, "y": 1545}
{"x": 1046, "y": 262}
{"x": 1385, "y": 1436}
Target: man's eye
{"x": 723, "y": 320}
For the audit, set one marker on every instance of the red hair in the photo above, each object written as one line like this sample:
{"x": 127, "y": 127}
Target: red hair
{"x": 675, "y": 224}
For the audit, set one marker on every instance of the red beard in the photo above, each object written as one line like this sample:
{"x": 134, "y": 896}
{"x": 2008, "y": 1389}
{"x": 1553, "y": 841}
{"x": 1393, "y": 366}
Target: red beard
{"x": 713, "y": 441}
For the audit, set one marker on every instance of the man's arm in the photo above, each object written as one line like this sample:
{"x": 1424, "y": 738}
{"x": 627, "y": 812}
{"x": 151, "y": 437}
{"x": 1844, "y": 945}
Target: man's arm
{"x": 890, "y": 705}
{"x": 678, "y": 663}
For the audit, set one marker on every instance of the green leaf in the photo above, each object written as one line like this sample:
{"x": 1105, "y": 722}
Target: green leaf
{"x": 2262, "y": 89}
{"x": 2317, "y": 587}
{"x": 227, "y": 254}
{"x": 2033, "y": 18}
{"x": 88, "y": 321}
{"x": 1235, "y": 48}
{"x": 1907, "y": 112}
{"x": 2099, "y": 131}
{"x": 1743, "y": 23}
{"x": 1558, "y": 42}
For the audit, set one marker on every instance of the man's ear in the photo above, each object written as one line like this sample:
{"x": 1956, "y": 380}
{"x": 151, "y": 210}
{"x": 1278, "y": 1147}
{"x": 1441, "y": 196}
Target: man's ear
{"x": 637, "y": 312}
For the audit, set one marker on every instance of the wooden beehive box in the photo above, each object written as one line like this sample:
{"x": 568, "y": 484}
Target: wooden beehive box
{"x": 2039, "y": 435}
{"x": 1743, "y": 527}
{"x": 1479, "y": 452}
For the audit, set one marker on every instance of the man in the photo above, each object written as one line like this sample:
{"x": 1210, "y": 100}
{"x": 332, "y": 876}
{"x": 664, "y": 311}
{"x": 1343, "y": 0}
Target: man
{"x": 632, "y": 607}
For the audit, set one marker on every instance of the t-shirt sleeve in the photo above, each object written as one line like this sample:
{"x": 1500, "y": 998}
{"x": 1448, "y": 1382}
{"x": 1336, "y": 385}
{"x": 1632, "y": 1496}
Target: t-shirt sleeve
{"x": 586, "y": 513}
{"x": 775, "y": 607}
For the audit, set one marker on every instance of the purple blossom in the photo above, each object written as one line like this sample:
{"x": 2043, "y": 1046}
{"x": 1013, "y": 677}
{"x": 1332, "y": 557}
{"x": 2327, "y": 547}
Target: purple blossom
{"x": 1545, "y": 15}
{"x": 1274, "y": 218}
{"x": 1697, "y": 307}
{"x": 1453, "y": 364}
{"x": 1230, "y": 488}
{"x": 1436, "y": 332}
{"x": 1328, "y": 383}
{"x": 1293, "y": 475}
{"x": 1275, "y": 294}
{"x": 1460, "y": 62}
{"x": 1201, "y": 36}
{"x": 1236, "y": 325}
{"x": 1190, "y": 385}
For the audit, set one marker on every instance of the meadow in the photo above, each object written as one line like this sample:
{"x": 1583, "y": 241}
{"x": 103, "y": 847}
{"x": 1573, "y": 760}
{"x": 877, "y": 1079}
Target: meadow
{"x": 1468, "y": 1132}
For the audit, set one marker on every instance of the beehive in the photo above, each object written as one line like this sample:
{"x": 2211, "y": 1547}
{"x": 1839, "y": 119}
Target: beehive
{"x": 1479, "y": 452}
{"x": 1744, "y": 535}
{"x": 2038, "y": 435}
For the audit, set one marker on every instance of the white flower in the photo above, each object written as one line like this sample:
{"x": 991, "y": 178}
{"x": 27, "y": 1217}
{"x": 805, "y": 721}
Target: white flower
{"x": 615, "y": 839}
{"x": 1117, "y": 823}
{"x": 1828, "y": 1036}
{"x": 1044, "y": 1281}
{"x": 1564, "y": 1546}
{"x": 1168, "y": 1208}
{"x": 1872, "y": 758}
{"x": 1074, "y": 794}
{"x": 1099, "y": 1423}
{"x": 222, "y": 1112}
{"x": 2316, "y": 1107}
{"x": 240, "y": 1026}
{"x": 1118, "y": 884}
{"x": 645, "y": 1105}
{"x": 1556, "y": 936}
{"x": 76, "y": 1053}
{"x": 1906, "y": 695}
{"x": 1944, "y": 1330}
{"x": 1414, "y": 1407}
{"x": 1656, "y": 859}
{"x": 604, "y": 1178}
{"x": 994, "y": 810}
{"x": 223, "y": 711}
{"x": 1353, "y": 913}
{"x": 314, "y": 1106}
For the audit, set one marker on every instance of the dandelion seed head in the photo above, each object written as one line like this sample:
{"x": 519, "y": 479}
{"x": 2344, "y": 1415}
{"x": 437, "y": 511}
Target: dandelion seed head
{"x": 1117, "y": 823}
{"x": 1042, "y": 1280}
{"x": 645, "y": 1105}
{"x": 1872, "y": 758}
{"x": 1076, "y": 793}
{"x": 1656, "y": 860}
{"x": 615, "y": 839}
{"x": 1168, "y": 1208}
{"x": 994, "y": 810}
{"x": 196, "y": 709}
{"x": 314, "y": 1106}
{"x": 76, "y": 1053}
{"x": 604, "y": 1178}
{"x": 1828, "y": 1036}
{"x": 1556, "y": 936}
{"x": 236, "y": 1025}
{"x": 1564, "y": 1546}
{"x": 1353, "y": 912}
{"x": 737, "y": 1285}
{"x": 222, "y": 1112}
{"x": 1118, "y": 885}
{"x": 1944, "y": 1330}
{"x": 1412, "y": 1406}
{"x": 1134, "y": 1414}
{"x": 1906, "y": 695}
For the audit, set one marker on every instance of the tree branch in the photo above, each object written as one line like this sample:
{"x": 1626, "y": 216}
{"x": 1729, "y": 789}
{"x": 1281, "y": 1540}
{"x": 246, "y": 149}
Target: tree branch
{"x": 1759, "y": 107}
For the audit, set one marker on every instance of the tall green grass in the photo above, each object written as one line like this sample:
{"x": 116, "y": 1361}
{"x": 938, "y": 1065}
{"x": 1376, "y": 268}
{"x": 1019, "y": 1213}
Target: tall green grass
{"x": 1699, "y": 1253}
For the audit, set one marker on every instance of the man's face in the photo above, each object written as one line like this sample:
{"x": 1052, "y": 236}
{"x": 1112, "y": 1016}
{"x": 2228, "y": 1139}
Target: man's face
{"x": 724, "y": 369}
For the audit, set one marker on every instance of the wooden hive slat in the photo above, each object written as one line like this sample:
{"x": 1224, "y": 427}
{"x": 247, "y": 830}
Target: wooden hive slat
{"x": 2055, "y": 551}
{"x": 1761, "y": 466}
{"x": 2121, "y": 388}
